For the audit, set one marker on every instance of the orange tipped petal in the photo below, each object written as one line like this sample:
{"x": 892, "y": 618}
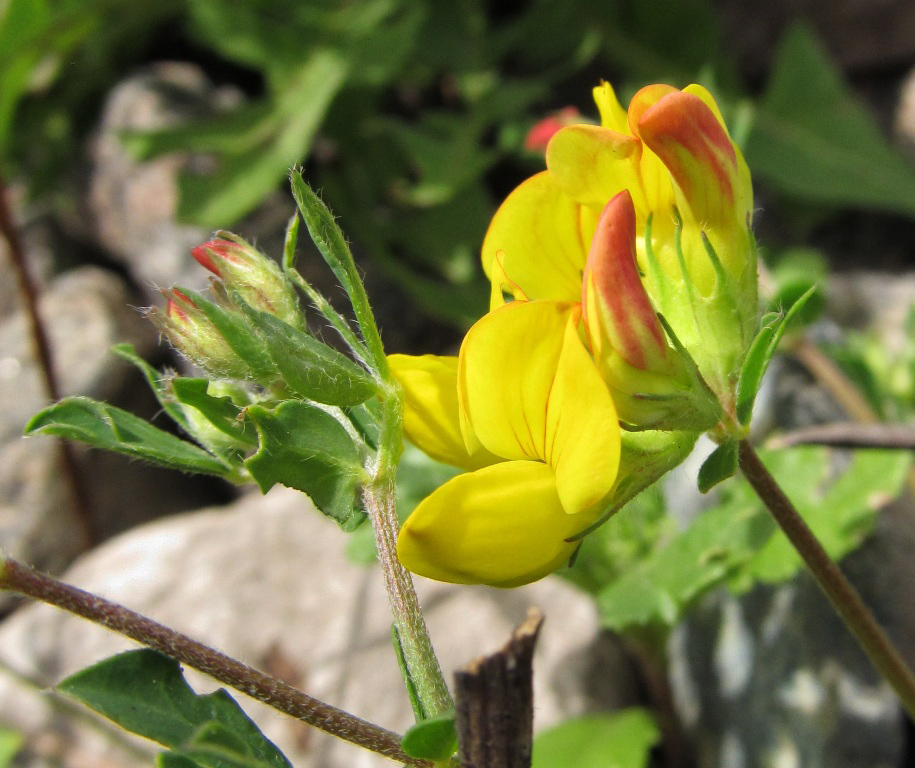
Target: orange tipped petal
{"x": 617, "y": 309}
{"x": 695, "y": 147}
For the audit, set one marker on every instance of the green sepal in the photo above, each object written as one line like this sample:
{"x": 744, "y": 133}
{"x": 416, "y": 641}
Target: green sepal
{"x": 239, "y": 335}
{"x": 719, "y": 466}
{"x": 225, "y": 416}
{"x": 304, "y": 447}
{"x": 104, "y": 426}
{"x": 309, "y": 367}
{"x": 290, "y": 241}
{"x": 432, "y": 739}
{"x": 760, "y": 355}
{"x": 145, "y": 693}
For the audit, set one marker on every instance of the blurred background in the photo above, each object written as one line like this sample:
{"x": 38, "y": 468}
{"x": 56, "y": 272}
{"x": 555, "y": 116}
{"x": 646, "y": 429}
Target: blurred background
{"x": 129, "y": 132}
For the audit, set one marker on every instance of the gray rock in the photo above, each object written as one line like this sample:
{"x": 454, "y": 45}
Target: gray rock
{"x": 134, "y": 204}
{"x": 773, "y": 678}
{"x": 85, "y": 311}
{"x": 267, "y": 582}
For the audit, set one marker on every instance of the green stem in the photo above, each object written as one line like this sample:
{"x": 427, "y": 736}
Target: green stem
{"x": 275, "y": 693}
{"x": 378, "y": 496}
{"x": 843, "y": 596}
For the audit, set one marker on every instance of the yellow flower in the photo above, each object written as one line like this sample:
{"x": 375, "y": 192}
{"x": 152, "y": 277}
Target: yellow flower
{"x": 647, "y": 213}
{"x": 539, "y": 427}
{"x": 690, "y": 191}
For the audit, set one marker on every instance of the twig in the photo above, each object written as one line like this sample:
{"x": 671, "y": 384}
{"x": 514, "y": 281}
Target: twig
{"x": 495, "y": 703}
{"x": 28, "y": 294}
{"x": 843, "y": 596}
{"x": 842, "y": 389}
{"x": 283, "y": 697}
{"x": 887, "y": 436}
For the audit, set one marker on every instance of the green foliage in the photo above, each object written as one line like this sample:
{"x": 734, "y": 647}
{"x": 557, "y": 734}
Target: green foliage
{"x": 719, "y": 466}
{"x": 104, "y": 426}
{"x": 621, "y": 739}
{"x": 304, "y": 415}
{"x": 762, "y": 350}
{"x": 736, "y": 542}
{"x": 814, "y": 141}
{"x": 431, "y": 739}
{"x": 10, "y": 744}
{"x": 145, "y": 693}
{"x": 304, "y": 447}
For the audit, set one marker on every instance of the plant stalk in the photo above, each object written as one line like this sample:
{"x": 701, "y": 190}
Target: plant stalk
{"x": 17, "y": 577}
{"x": 378, "y": 496}
{"x": 28, "y": 294}
{"x": 843, "y": 596}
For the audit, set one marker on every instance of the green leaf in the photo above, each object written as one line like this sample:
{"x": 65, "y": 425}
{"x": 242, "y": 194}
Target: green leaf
{"x": 214, "y": 745}
{"x": 737, "y": 543}
{"x": 300, "y": 101}
{"x": 719, "y": 466}
{"x": 104, "y": 426}
{"x": 621, "y": 739}
{"x": 329, "y": 239}
{"x": 840, "y": 516}
{"x": 812, "y": 139}
{"x": 129, "y": 353}
{"x": 303, "y": 447}
{"x": 221, "y": 412}
{"x": 145, "y": 693}
{"x": 10, "y": 744}
{"x": 432, "y": 739}
{"x": 762, "y": 350}
{"x": 309, "y": 367}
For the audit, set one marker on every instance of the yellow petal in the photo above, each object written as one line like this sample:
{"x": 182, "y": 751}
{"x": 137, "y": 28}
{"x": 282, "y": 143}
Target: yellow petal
{"x": 507, "y": 366}
{"x": 530, "y": 390}
{"x": 612, "y": 114}
{"x": 537, "y": 231}
{"x": 591, "y": 164}
{"x": 502, "y": 525}
{"x": 583, "y": 435}
{"x": 431, "y": 419}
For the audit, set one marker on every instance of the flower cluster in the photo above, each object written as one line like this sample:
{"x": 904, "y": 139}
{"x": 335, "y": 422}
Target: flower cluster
{"x": 623, "y": 290}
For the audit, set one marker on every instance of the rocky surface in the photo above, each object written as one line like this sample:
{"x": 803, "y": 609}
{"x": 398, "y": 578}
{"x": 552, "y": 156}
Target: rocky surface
{"x": 133, "y": 204}
{"x": 267, "y": 581}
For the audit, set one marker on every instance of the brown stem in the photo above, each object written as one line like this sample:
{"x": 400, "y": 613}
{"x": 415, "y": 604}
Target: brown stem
{"x": 28, "y": 294}
{"x": 843, "y": 596}
{"x": 283, "y": 697}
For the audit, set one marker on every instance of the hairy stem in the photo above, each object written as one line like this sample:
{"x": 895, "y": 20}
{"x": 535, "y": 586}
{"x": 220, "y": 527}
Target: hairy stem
{"x": 28, "y": 295}
{"x": 843, "y": 596}
{"x": 258, "y": 685}
{"x": 419, "y": 655}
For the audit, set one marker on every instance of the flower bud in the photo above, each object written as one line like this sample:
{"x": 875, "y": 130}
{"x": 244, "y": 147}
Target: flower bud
{"x": 653, "y": 385}
{"x": 251, "y": 274}
{"x": 190, "y": 331}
